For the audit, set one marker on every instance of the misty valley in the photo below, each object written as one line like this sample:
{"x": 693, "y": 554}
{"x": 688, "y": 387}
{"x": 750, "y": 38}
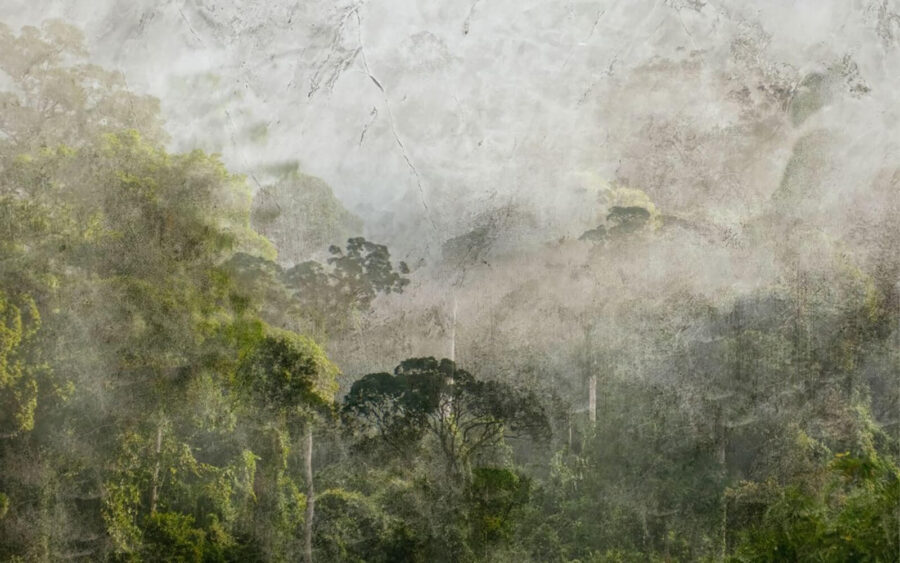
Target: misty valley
{"x": 212, "y": 358}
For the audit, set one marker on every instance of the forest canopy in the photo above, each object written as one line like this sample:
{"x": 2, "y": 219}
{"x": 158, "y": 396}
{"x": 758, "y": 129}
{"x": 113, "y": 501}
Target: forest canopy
{"x": 175, "y": 386}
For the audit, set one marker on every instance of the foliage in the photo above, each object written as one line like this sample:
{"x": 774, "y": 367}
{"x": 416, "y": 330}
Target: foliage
{"x": 301, "y": 216}
{"x": 465, "y": 415}
{"x": 620, "y": 222}
{"x": 315, "y": 296}
{"x": 19, "y": 374}
{"x": 162, "y": 377}
{"x": 58, "y": 98}
{"x": 853, "y": 517}
{"x": 287, "y": 370}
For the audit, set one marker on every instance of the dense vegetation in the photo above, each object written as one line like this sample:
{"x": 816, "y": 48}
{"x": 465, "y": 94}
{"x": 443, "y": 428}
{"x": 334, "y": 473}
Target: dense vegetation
{"x": 171, "y": 388}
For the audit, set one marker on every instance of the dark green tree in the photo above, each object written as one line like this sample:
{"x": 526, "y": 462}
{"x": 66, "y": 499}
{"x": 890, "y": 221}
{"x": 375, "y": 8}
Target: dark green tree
{"x": 289, "y": 378}
{"x": 466, "y": 416}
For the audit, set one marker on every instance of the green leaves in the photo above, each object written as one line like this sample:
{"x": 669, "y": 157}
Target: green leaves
{"x": 19, "y": 367}
{"x": 626, "y": 220}
{"x": 466, "y": 416}
{"x": 315, "y": 297}
{"x": 366, "y": 270}
{"x": 620, "y": 221}
{"x": 349, "y": 527}
{"x": 286, "y": 371}
{"x": 114, "y": 248}
{"x": 495, "y": 493}
{"x": 853, "y": 518}
{"x": 158, "y": 365}
{"x": 60, "y": 98}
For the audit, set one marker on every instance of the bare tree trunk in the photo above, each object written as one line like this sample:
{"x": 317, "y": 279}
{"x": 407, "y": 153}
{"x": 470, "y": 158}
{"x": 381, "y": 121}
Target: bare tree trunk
{"x": 645, "y": 528}
{"x": 453, "y": 333}
{"x": 310, "y": 493}
{"x": 724, "y": 524}
{"x": 592, "y": 398}
{"x": 154, "y": 490}
{"x": 720, "y": 430}
{"x": 591, "y": 376}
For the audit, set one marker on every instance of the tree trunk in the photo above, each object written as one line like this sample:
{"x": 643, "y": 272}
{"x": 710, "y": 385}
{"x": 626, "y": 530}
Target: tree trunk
{"x": 154, "y": 489}
{"x": 645, "y": 529}
{"x": 591, "y": 373}
{"x": 723, "y": 468}
{"x": 453, "y": 333}
{"x": 310, "y": 493}
{"x": 592, "y": 399}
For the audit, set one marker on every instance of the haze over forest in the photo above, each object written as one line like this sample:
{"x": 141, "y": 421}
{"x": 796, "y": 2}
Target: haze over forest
{"x": 482, "y": 281}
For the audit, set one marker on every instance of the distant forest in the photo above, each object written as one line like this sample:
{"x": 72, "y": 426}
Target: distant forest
{"x": 194, "y": 368}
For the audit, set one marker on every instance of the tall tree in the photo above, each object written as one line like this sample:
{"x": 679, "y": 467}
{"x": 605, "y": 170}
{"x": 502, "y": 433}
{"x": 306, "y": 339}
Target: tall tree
{"x": 289, "y": 377}
{"x": 465, "y": 415}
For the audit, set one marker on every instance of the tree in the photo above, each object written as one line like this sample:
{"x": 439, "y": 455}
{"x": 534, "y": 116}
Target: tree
{"x": 301, "y": 216}
{"x": 112, "y": 247}
{"x": 289, "y": 377}
{"x": 465, "y": 415}
{"x": 626, "y": 220}
{"x": 60, "y": 98}
{"x": 19, "y": 373}
{"x": 851, "y": 516}
{"x": 314, "y": 297}
{"x": 620, "y": 222}
{"x": 352, "y": 281}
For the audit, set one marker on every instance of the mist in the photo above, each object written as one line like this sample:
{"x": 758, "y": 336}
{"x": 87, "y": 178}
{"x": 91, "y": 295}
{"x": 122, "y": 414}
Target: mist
{"x": 646, "y": 249}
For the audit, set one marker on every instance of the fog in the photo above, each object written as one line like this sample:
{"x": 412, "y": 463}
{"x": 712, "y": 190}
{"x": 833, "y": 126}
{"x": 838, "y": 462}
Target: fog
{"x": 422, "y": 116}
{"x": 494, "y": 280}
